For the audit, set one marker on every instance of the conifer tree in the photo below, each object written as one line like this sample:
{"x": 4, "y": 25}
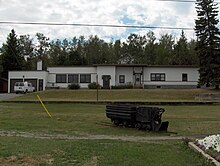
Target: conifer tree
{"x": 12, "y": 58}
{"x": 208, "y": 42}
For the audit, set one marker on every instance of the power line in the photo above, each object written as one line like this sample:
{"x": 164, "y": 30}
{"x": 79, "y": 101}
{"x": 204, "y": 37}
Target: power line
{"x": 95, "y": 25}
{"x": 183, "y": 1}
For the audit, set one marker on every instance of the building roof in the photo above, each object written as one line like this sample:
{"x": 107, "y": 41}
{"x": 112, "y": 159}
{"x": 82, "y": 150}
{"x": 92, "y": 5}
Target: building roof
{"x": 129, "y": 65}
{"x": 145, "y": 65}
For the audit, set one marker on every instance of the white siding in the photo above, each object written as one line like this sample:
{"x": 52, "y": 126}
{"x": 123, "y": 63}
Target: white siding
{"x": 28, "y": 75}
{"x": 106, "y": 70}
{"x": 173, "y": 76}
{"x": 127, "y": 72}
{"x": 70, "y": 70}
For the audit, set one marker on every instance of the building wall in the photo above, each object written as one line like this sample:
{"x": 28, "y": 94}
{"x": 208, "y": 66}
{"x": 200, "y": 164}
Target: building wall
{"x": 3, "y": 85}
{"x": 69, "y": 70}
{"x": 173, "y": 77}
{"x": 127, "y": 72}
{"x": 28, "y": 75}
{"x": 106, "y": 70}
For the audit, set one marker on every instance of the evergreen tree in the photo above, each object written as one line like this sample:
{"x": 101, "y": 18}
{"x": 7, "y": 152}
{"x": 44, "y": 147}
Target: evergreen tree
{"x": 208, "y": 42}
{"x": 150, "y": 50}
{"x": 12, "y": 58}
{"x": 164, "y": 50}
{"x": 181, "y": 52}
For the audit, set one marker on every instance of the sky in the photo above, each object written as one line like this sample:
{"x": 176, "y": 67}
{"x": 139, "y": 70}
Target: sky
{"x": 114, "y": 12}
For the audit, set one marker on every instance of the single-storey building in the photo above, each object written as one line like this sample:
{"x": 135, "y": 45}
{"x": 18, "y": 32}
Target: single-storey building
{"x": 108, "y": 75}
{"x": 3, "y": 85}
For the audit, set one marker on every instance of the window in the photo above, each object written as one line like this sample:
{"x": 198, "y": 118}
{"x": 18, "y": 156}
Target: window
{"x": 157, "y": 76}
{"x": 73, "y": 78}
{"x": 121, "y": 79}
{"x": 85, "y": 78}
{"x": 184, "y": 77}
{"x": 61, "y": 78}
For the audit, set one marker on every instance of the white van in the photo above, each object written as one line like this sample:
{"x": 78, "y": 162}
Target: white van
{"x": 23, "y": 87}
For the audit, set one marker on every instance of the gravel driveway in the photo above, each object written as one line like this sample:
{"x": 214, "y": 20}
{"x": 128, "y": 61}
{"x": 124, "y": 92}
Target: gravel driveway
{"x": 6, "y": 96}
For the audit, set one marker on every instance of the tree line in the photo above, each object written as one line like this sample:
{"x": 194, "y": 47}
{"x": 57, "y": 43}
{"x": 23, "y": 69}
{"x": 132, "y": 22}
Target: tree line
{"x": 22, "y": 52}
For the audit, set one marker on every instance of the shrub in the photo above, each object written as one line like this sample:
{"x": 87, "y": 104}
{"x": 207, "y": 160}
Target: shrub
{"x": 128, "y": 86}
{"x": 73, "y": 86}
{"x": 93, "y": 85}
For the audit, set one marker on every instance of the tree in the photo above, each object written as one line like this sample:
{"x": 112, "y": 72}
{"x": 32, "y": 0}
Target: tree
{"x": 164, "y": 50}
{"x": 93, "y": 50}
{"x": 133, "y": 49}
{"x": 208, "y": 48}
{"x": 150, "y": 50}
{"x": 1, "y": 67}
{"x": 192, "y": 52}
{"x": 42, "y": 48}
{"x": 27, "y": 51}
{"x": 12, "y": 58}
{"x": 181, "y": 52}
{"x": 117, "y": 51}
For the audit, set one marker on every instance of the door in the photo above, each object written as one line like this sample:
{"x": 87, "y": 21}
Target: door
{"x": 106, "y": 81}
{"x": 137, "y": 78}
{"x": 40, "y": 84}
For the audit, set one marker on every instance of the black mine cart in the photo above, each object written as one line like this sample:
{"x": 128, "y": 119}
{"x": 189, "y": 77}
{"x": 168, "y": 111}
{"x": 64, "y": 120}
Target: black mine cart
{"x": 145, "y": 118}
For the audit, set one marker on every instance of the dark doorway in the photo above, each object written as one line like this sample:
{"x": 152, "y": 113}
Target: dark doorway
{"x": 40, "y": 84}
{"x": 137, "y": 78}
{"x": 106, "y": 81}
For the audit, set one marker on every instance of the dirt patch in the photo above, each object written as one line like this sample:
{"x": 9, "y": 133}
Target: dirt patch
{"x": 92, "y": 137}
{"x": 26, "y": 160}
{"x": 208, "y": 96}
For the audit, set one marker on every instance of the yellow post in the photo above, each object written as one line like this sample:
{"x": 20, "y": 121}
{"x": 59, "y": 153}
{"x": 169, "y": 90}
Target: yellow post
{"x": 44, "y": 106}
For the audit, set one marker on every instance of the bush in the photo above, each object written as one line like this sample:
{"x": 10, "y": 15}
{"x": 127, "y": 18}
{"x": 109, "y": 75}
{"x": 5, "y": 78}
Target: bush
{"x": 73, "y": 86}
{"x": 128, "y": 86}
{"x": 93, "y": 85}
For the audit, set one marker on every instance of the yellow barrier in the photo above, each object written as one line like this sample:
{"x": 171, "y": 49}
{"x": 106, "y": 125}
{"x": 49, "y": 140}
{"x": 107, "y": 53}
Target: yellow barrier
{"x": 44, "y": 106}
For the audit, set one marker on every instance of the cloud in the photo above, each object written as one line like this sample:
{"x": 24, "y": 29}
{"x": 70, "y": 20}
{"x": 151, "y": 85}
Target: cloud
{"x": 132, "y": 12}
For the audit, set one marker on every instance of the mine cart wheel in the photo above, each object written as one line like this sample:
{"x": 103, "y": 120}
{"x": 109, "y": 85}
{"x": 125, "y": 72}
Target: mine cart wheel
{"x": 138, "y": 126}
{"x": 125, "y": 123}
{"x": 116, "y": 122}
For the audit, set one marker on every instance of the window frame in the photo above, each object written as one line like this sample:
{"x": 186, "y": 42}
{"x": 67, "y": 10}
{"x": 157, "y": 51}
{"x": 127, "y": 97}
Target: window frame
{"x": 121, "y": 79}
{"x": 63, "y": 78}
{"x": 184, "y": 77}
{"x": 74, "y": 78}
{"x": 87, "y": 78}
{"x": 158, "y": 77}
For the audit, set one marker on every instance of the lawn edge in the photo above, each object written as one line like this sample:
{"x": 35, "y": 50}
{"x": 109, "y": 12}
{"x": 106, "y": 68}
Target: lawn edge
{"x": 115, "y": 102}
{"x": 205, "y": 155}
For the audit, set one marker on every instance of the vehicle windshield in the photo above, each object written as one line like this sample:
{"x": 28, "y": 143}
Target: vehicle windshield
{"x": 19, "y": 84}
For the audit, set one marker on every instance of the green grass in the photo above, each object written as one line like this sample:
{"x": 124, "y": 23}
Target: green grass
{"x": 118, "y": 95}
{"x": 83, "y": 119}
{"x": 86, "y": 120}
{"x": 93, "y": 152}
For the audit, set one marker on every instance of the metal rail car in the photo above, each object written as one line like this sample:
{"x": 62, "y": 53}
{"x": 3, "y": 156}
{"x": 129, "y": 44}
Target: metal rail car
{"x": 143, "y": 118}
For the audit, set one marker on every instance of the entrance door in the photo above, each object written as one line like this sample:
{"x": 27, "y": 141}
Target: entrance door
{"x": 106, "y": 81}
{"x": 40, "y": 84}
{"x": 137, "y": 78}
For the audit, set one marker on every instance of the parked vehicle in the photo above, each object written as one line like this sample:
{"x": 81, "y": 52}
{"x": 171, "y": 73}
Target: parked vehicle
{"x": 144, "y": 118}
{"x": 23, "y": 87}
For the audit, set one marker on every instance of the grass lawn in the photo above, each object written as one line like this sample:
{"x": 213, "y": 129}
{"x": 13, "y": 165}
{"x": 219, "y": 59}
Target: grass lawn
{"x": 83, "y": 119}
{"x": 118, "y": 95}
{"x": 26, "y": 151}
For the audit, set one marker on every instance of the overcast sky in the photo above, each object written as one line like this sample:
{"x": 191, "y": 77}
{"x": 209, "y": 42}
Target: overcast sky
{"x": 119, "y": 12}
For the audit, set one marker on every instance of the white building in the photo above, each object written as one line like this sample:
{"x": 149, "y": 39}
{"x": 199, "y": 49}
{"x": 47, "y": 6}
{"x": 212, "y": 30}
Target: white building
{"x": 109, "y": 75}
